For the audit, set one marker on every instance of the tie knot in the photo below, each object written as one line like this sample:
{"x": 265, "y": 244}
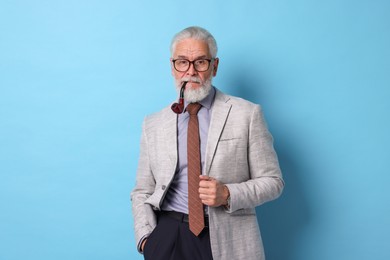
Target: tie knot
{"x": 193, "y": 108}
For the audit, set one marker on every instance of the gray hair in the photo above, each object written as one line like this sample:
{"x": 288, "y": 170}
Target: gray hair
{"x": 198, "y": 33}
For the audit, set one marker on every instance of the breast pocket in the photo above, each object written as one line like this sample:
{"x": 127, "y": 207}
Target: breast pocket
{"x": 228, "y": 155}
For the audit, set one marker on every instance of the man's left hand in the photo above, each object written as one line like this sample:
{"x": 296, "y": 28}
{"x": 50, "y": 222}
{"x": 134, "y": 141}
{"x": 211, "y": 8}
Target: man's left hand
{"x": 212, "y": 192}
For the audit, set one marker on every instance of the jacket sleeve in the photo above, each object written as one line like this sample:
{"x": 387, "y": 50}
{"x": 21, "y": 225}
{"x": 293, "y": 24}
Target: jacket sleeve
{"x": 265, "y": 183}
{"x": 143, "y": 214}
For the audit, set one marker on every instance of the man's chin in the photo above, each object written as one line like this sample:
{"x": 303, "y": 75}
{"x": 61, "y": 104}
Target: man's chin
{"x": 194, "y": 94}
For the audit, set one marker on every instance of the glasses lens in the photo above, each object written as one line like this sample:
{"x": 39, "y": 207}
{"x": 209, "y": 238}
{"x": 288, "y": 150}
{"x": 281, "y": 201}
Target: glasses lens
{"x": 181, "y": 65}
{"x": 201, "y": 65}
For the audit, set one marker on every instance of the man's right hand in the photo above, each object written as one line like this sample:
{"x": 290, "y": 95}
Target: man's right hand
{"x": 143, "y": 244}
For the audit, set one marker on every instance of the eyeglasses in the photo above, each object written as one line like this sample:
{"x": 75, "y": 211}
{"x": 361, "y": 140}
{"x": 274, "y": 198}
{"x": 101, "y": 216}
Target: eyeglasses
{"x": 200, "y": 65}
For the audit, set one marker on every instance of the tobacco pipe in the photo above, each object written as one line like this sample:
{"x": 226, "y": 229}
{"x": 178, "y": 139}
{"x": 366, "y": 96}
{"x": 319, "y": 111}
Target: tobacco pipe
{"x": 179, "y": 107}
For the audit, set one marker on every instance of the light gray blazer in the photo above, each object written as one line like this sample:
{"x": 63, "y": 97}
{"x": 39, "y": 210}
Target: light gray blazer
{"x": 239, "y": 153}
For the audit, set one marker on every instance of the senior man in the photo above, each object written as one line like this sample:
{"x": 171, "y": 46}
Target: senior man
{"x": 205, "y": 164}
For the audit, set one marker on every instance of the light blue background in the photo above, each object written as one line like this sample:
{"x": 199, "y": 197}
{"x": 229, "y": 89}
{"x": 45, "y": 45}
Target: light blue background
{"x": 78, "y": 77}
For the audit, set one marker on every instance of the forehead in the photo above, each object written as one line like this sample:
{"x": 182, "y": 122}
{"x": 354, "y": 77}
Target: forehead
{"x": 191, "y": 47}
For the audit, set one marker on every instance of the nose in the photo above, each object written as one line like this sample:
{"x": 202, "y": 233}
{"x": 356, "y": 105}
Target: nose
{"x": 191, "y": 70}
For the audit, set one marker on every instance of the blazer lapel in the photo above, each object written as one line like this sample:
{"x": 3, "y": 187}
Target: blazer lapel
{"x": 219, "y": 115}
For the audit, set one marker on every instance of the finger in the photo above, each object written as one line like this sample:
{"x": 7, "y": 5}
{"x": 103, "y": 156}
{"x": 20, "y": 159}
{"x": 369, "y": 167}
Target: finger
{"x": 203, "y": 191}
{"x": 207, "y": 192}
{"x": 205, "y": 177}
{"x": 208, "y": 202}
{"x": 205, "y": 197}
{"x": 205, "y": 184}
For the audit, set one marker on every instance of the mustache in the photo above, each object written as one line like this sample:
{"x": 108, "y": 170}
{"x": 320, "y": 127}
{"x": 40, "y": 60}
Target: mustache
{"x": 191, "y": 79}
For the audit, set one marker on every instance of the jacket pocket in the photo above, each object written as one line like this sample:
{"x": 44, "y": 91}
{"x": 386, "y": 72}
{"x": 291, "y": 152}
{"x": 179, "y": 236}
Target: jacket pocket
{"x": 241, "y": 212}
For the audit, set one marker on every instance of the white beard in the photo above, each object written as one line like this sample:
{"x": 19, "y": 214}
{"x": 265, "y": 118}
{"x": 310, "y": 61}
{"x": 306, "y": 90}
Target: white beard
{"x": 192, "y": 95}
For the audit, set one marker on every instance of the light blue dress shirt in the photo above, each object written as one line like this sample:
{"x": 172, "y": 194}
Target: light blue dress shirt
{"x": 176, "y": 198}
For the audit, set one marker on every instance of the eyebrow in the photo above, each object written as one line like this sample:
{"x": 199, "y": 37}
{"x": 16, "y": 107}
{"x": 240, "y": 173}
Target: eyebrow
{"x": 197, "y": 58}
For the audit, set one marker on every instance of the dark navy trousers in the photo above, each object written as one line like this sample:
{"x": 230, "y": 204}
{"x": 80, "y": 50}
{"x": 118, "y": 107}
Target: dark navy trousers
{"x": 172, "y": 240}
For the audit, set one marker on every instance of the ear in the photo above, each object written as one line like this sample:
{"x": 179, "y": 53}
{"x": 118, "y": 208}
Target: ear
{"x": 215, "y": 66}
{"x": 172, "y": 68}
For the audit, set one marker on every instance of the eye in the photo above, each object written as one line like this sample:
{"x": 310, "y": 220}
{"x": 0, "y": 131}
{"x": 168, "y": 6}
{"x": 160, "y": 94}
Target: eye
{"x": 200, "y": 62}
{"x": 181, "y": 62}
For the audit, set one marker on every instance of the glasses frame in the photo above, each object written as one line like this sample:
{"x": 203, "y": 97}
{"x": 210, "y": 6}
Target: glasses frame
{"x": 193, "y": 64}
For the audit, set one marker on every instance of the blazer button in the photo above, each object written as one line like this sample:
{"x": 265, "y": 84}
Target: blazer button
{"x": 163, "y": 187}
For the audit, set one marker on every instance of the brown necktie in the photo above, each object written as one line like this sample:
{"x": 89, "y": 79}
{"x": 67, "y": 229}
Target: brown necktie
{"x": 195, "y": 206}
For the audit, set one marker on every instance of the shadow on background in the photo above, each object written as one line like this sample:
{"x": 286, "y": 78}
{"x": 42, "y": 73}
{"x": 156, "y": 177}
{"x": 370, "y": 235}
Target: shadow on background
{"x": 283, "y": 221}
